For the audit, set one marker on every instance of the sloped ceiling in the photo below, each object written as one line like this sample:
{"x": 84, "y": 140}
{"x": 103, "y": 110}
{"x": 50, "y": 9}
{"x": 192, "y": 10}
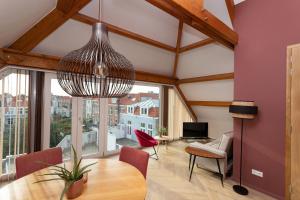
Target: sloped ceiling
{"x": 138, "y": 16}
{"x": 135, "y": 15}
{"x": 16, "y": 17}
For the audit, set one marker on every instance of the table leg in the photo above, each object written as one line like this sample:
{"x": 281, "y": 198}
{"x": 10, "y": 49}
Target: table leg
{"x": 190, "y": 162}
{"x": 158, "y": 146}
{"x": 220, "y": 174}
{"x": 191, "y": 172}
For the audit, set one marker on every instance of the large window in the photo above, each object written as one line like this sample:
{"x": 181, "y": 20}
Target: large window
{"x": 13, "y": 117}
{"x": 138, "y": 110}
{"x": 96, "y": 127}
{"x": 61, "y": 119}
{"x": 90, "y": 126}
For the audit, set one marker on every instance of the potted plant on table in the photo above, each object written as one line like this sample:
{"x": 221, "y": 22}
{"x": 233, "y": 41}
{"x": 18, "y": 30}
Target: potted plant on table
{"x": 74, "y": 179}
{"x": 163, "y": 131}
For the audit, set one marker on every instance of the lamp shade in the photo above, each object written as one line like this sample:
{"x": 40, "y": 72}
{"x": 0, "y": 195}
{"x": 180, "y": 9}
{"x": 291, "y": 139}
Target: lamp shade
{"x": 243, "y": 109}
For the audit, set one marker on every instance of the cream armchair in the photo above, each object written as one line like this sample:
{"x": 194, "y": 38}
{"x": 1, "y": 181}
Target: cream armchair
{"x": 221, "y": 146}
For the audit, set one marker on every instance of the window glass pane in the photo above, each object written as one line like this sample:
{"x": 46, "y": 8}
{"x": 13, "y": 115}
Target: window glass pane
{"x": 13, "y": 117}
{"x": 61, "y": 119}
{"x": 134, "y": 111}
{"x": 90, "y": 126}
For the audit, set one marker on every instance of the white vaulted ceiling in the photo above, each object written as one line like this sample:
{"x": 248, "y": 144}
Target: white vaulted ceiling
{"x": 135, "y": 15}
{"x": 138, "y": 16}
{"x": 17, "y": 16}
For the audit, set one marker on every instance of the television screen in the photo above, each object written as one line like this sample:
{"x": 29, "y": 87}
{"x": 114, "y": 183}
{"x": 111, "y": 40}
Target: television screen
{"x": 195, "y": 129}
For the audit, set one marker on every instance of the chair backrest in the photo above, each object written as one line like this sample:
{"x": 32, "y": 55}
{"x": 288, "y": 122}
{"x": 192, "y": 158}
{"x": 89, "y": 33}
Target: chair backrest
{"x": 226, "y": 141}
{"x": 144, "y": 139}
{"x": 29, "y": 163}
{"x": 136, "y": 158}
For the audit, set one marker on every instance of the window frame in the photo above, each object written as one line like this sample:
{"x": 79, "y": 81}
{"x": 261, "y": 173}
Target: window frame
{"x": 76, "y": 108}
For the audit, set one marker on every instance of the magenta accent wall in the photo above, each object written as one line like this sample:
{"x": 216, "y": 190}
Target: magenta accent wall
{"x": 265, "y": 28}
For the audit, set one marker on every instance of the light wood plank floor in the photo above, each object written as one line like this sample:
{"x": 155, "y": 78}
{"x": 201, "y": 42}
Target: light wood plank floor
{"x": 167, "y": 179}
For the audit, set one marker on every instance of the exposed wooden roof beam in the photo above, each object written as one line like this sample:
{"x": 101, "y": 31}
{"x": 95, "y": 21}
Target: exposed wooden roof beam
{"x": 231, "y": 9}
{"x": 89, "y": 20}
{"x": 46, "y": 62}
{"x": 179, "y": 91}
{"x": 65, "y": 5}
{"x": 196, "y": 16}
{"x": 154, "y": 78}
{"x": 178, "y": 43}
{"x": 197, "y": 45}
{"x": 64, "y": 10}
{"x": 215, "y": 77}
{"x": 210, "y": 103}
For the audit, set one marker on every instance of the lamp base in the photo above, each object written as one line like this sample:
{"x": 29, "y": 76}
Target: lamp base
{"x": 240, "y": 190}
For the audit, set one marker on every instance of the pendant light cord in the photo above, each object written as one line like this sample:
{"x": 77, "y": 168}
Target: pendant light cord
{"x": 100, "y": 11}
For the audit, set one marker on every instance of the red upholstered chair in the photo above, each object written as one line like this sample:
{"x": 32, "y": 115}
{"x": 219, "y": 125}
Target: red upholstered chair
{"x": 29, "y": 163}
{"x": 146, "y": 140}
{"x": 136, "y": 158}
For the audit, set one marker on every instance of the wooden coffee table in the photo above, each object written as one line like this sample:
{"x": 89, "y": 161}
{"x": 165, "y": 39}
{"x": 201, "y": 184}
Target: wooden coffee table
{"x": 194, "y": 152}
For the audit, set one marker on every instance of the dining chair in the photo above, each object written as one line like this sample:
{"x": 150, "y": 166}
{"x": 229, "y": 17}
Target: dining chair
{"x": 29, "y": 163}
{"x": 136, "y": 158}
{"x": 146, "y": 140}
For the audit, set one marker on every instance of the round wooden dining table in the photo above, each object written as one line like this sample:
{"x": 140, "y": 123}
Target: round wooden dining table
{"x": 108, "y": 180}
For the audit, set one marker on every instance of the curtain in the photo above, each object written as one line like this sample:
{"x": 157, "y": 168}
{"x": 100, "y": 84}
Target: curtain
{"x": 14, "y": 84}
{"x": 177, "y": 114}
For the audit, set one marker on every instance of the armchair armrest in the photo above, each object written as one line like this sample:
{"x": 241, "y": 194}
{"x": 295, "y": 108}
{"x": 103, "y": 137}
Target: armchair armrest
{"x": 208, "y": 148}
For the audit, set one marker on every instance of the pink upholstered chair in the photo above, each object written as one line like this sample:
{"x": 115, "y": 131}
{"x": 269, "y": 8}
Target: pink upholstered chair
{"x": 136, "y": 158}
{"x": 146, "y": 140}
{"x": 29, "y": 163}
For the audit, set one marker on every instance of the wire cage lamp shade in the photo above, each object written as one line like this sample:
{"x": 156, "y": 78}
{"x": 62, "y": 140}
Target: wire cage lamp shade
{"x": 96, "y": 70}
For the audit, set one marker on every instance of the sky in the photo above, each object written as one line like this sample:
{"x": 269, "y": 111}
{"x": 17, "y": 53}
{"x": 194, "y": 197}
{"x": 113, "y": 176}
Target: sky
{"x": 11, "y": 81}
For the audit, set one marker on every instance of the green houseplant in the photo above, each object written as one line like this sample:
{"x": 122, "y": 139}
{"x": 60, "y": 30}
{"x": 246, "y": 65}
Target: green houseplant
{"x": 163, "y": 131}
{"x": 74, "y": 179}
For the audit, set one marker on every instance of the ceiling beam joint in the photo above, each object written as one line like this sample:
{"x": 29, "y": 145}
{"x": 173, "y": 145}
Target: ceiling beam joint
{"x": 200, "y": 19}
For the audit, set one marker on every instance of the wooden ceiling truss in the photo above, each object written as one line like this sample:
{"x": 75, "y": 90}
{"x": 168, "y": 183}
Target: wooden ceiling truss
{"x": 190, "y": 12}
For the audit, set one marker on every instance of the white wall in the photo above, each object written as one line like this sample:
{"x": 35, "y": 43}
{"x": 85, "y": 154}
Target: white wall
{"x": 218, "y": 118}
{"x": 209, "y": 60}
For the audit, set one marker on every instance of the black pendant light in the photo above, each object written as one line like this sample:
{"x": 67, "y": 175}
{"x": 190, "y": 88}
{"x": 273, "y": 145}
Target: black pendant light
{"x": 96, "y": 70}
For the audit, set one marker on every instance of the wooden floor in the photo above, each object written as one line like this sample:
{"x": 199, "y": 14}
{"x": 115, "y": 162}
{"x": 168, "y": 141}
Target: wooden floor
{"x": 167, "y": 179}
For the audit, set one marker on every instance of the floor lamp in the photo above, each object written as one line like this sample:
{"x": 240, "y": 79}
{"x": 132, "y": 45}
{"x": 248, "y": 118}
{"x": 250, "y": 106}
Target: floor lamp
{"x": 242, "y": 110}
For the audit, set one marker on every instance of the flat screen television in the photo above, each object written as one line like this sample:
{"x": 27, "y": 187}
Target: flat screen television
{"x": 195, "y": 130}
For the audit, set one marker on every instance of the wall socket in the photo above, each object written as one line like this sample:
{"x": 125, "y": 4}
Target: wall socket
{"x": 257, "y": 173}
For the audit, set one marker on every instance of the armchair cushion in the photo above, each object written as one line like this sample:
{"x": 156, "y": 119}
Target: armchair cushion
{"x": 208, "y": 148}
{"x": 225, "y": 141}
